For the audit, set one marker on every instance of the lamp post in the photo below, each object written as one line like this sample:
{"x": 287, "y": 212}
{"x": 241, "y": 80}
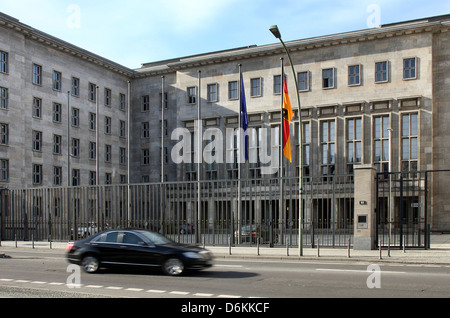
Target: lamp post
{"x": 276, "y": 32}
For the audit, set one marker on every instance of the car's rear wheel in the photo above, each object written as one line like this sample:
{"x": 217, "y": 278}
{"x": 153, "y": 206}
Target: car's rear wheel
{"x": 90, "y": 264}
{"x": 173, "y": 266}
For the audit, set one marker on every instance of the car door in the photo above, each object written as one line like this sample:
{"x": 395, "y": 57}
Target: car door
{"x": 108, "y": 246}
{"x": 136, "y": 250}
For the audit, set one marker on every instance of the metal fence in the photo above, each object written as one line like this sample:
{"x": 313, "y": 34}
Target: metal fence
{"x": 246, "y": 212}
{"x": 405, "y": 205}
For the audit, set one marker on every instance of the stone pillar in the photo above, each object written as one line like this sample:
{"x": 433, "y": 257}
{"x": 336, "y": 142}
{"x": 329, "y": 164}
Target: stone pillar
{"x": 365, "y": 207}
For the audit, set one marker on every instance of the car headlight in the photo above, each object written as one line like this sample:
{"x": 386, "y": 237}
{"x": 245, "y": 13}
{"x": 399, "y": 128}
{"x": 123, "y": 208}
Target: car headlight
{"x": 192, "y": 255}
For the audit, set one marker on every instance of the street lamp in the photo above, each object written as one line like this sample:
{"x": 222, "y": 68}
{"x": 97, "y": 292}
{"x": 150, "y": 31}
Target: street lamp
{"x": 276, "y": 32}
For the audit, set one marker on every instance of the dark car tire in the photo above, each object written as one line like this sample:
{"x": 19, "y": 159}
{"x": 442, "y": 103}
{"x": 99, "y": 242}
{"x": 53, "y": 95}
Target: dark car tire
{"x": 90, "y": 264}
{"x": 173, "y": 267}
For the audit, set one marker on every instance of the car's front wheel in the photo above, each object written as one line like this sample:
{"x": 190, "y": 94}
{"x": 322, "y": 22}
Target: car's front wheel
{"x": 90, "y": 264}
{"x": 173, "y": 266}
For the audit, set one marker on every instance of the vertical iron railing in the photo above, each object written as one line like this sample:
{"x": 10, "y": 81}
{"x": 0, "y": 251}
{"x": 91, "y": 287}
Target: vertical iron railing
{"x": 72, "y": 213}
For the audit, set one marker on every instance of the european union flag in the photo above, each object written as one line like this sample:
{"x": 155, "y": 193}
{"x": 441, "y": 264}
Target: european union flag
{"x": 244, "y": 119}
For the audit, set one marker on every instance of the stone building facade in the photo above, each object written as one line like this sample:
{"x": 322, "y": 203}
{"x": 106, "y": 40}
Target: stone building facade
{"x": 376, "y": 96}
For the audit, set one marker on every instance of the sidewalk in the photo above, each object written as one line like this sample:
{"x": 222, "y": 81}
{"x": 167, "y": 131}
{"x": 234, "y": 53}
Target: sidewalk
{"x": 438, "y": 254}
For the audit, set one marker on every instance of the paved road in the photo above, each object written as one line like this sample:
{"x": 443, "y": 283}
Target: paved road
{"x": 37, "y": 273}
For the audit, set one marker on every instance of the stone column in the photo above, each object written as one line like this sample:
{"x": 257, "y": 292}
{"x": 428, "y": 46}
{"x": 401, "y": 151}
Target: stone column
{"x": 365, "y": 207}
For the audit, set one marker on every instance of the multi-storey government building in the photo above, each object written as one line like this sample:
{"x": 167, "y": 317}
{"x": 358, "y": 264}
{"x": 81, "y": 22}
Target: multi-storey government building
{"x": 376, "y": 97}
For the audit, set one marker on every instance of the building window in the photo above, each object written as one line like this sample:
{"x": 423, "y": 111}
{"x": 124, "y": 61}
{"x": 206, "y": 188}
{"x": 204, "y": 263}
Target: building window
{"x": 37, "y": 107}
{"x": 354, "y": 75}
{"x": 108, "y": 180}
{"x": 354, "y": 143}
{"x": 92, "y": 121}
{"x": 409, "y": 68}
{"x": 57, "y": 113}
{"x": 233, "y": 91}
{"x": 381, "y": 72}
{"x": 4, "y": 170}
{"x": 122, "y": 130}
{"x": 92, "y": 150}
{"x": 37, "y": 141}
{"x": 75, "y": 117}
{"x": 213, "y": 93}
{"x": 145, "y": 133}
{"x": 92, "y": 178}
{"x": 76, "y": 177}
{"x": 108, "y": 153}
{"x": 256, "y": 90}
{"x": 306, "y": 149}
{"x": 328, "y": 146}
{"x": 92, "y": 95}
{"x": 166, "y": 127}
{"x": 57, "y": 81}
{"x": 37, "y": 74}
{"x": 123, "y": 102}
{"x": 37, "y": 174}
{"x": 145, "y": 103}
{"x": 123, "y": 156}
{"x": 75, "y": 86}
{"x": 166, "y": 100}
{"x": 3, "y": 62}
{"x": 57, "y": 176}
{"x": 107, "y": 125}
{"x": 410, "y": 133}
{"x": 328, "y": 78}
{"x": 303, "y": 81}
{"x": 57, "y": 144}
{"x": 75, "y": 147}
{"x": 3, "y": 98}
{"x": 381, "y": 143}
{"x": 192, "y": 95}
{"x": 145, "y": 160}
{"x": 108, "y": 97}
{"x": 4, "y": 134}
{"x": 277, "y": 84}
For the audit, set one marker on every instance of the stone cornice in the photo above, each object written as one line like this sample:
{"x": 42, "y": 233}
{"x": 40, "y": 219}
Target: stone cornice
{"x": 60, "y": 45}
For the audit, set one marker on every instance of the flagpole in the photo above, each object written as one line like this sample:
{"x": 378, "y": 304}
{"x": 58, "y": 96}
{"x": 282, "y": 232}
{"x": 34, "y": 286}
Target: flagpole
{"x": 162, "y": 129}
{"x": 276, "y": 32}
{"x": 199, "y": 156}
{"x": 240, "y": 154}
{"x": 280, "y": 174}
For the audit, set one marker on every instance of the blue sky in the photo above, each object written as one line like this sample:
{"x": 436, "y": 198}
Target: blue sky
{"x": 138, "y": 31}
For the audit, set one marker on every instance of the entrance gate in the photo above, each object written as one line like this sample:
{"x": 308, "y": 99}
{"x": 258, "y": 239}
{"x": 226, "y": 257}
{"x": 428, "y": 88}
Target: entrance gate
{"x": 404, "y": 208}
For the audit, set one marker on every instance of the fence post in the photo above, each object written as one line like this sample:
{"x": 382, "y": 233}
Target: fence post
{"x": 365, "y": 204}
{"x": 349, "y": 247}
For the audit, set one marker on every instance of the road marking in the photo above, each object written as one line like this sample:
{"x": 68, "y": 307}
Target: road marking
{"x": 21, "y": 281}
{"x": 180, "y": 293}
{"x": 354, "y": 271}
{"x": 228, "y": 296}
{"x": 155, "y": 291}
{"x": 203, "y": 295}
{"x": 152, "y": 291}
{"x": 134, "y": 289}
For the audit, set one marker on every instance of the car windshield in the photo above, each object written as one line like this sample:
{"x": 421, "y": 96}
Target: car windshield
{"x": 155, "y": 238}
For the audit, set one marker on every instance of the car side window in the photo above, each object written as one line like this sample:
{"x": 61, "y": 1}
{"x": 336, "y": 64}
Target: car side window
{"x": 110, "y": 237}
{"x": 130, "y": 238}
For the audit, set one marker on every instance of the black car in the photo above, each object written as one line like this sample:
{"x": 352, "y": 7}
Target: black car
{"x": 136, "y": 248}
